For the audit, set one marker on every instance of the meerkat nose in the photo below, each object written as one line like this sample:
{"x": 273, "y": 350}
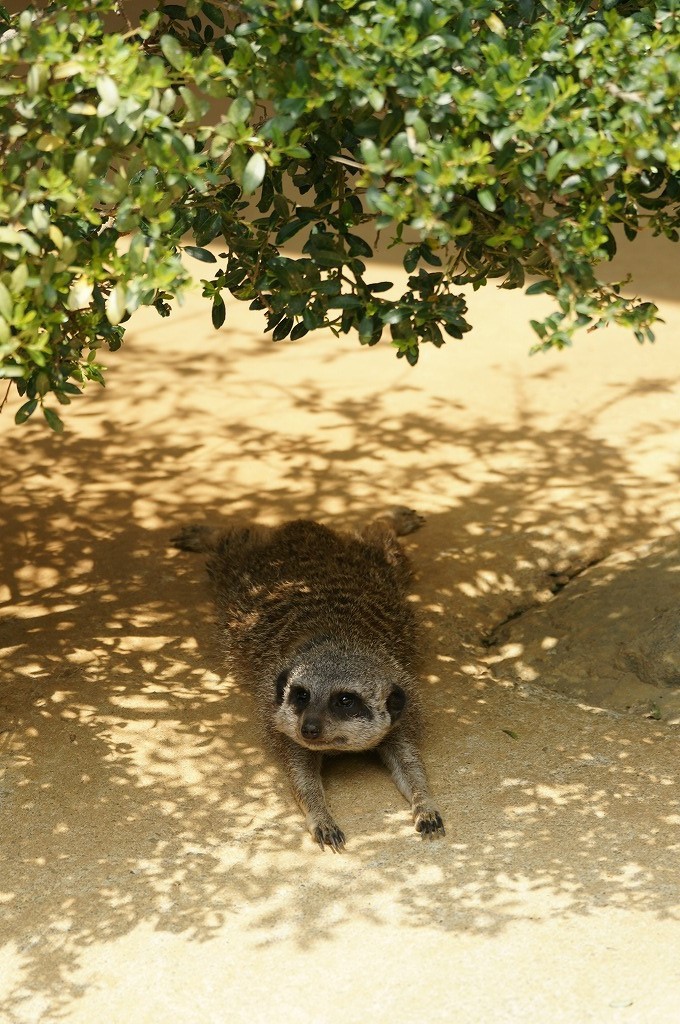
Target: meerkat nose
{"x": 311, "y": 728}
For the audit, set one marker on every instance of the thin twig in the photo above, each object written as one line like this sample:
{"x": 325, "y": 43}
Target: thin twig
{"x": 122, "y": 13}
{"x": 2, "y": 404}
{"x": 346, "y": 160}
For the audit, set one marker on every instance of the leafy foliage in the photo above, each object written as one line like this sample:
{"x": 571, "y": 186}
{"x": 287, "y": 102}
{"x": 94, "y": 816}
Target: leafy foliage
{"x": 490, "y": 140}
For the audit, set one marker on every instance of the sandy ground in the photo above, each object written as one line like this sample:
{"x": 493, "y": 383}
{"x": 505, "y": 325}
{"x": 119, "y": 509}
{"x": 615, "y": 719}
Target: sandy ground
{"x": 154, "y": 868}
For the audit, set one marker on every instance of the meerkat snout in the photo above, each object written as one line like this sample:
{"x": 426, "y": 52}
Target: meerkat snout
{"x": 311, "y": 728}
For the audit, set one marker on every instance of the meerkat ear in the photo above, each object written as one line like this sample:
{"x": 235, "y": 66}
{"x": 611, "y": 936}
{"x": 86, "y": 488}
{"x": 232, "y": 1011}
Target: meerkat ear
{"x": 396, "y": 702}
{"x": 281, "y": 685}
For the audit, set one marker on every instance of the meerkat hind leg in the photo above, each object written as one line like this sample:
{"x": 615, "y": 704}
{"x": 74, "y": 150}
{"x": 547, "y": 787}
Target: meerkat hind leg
{"x": 385, "y": 530}
{"x": 196, "y": 537}
{"x": 200, "y": 537}
{"x": 404, "y": 520}
{"x": 395, "y": 522}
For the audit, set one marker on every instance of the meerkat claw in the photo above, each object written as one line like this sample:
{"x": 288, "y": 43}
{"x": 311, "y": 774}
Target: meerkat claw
{"x": 430, "y": 825}
{"x": 332, "y": 837}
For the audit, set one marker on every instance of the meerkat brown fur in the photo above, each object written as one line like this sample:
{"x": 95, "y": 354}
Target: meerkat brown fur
{"x": 317, "y": 623}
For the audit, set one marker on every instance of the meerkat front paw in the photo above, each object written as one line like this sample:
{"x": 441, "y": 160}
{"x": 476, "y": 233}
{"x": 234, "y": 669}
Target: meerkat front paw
{"x": 330, "y": 835}
{"x": 406, "y": 520}
{"x": 430, "y": 824}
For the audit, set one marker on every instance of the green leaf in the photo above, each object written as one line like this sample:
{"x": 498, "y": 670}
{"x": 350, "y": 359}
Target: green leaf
{"x": 108, "y": 91}
{"x": 80, "y": 294}
{"x": 375, "y": 98}
{"x": 541, "y": 287}
{"x": 19, "y": 278}
{"x": 282, "y": 329}
{"x": 6, "y": 304}
{"x": 196, "y": 107}
{"x": 239, "y": 111}
{"x": 369, "y": 151}
{"x": 115, "y": 305}
{"x": 214, "y": 13}
{"x": 368, "y": 327}
{"x": 204, "y": 255}
{"x": 36, "y": 79}
{"x": 323, "y": 257}
{"x": 219, "y": 313}
{"x": 9, "y": 236}
{"x": 298, "y": 331}
{"x": 487, "y": 199}
{"x": 298, "y": 152}
{"x": 410, "y": 260}
{"x": 555, "y": 164}
{"x": 288, "y": 230}
{"x": 82, "y": 165}
{"x": 26, "y": 410}
{"x": 253, "y": 173}
{"x": 503, "y": 135}
{"x": 53, "y": 421}
{"x": 345, "y": 302}
{"x": 173, "y": 52}
{"x": 428, "y": 256}
{"x": 358, "y": 246}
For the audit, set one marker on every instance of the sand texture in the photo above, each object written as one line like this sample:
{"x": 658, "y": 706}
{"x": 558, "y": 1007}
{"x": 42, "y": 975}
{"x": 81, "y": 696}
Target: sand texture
{"x": 153, "y": 866}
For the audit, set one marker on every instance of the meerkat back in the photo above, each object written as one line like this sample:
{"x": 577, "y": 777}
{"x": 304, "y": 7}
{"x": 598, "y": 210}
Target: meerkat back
{"x": 276, "y": 591}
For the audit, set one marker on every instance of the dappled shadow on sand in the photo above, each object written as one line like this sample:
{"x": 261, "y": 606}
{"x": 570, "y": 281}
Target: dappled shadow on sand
{"x": 609, "y": 638}
{"x": 135, "y": 788}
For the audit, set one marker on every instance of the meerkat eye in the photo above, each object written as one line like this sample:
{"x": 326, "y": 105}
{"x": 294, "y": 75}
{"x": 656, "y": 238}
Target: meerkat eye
{"x": 298, "y": 696}
{"x": 349, "y": 705}
{"x": 346, "y": 700}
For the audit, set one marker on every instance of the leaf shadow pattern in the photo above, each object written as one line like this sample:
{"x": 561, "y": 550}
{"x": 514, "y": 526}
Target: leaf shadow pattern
{"x": 134, "y": 779}
{"x": 610, "y": 637}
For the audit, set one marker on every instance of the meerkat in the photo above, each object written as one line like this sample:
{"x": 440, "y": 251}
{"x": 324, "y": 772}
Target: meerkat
{"x": 317, "y": 623}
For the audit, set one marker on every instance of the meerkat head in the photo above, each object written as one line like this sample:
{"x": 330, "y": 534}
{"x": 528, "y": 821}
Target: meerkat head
{"x": 333, "y": 697}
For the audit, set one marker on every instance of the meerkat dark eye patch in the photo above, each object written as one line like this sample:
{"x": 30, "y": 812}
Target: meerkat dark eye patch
{"x": 298, "y": 697}
{"x": 349, "y": 705}
{"x": 281, "y": 685}
{"x": 396, "y": 702}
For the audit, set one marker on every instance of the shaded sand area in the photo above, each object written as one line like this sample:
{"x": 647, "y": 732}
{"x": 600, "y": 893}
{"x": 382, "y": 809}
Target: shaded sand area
{"x": 153, "y": 866}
